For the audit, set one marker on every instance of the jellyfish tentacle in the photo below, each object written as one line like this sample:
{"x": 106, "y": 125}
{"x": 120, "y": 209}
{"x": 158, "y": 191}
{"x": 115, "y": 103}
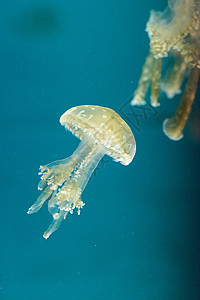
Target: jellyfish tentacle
{"x": 54, "y": 225}
{"x": 40, "y": 200}
{"x": 144, "y": 82}
{"x": 56, "y": 173}
{"x": 174, "y": 126}
{"x": 172, "y": 82}
{"x": 68, "y": 196}
{"x": 156, "y": 81}
{"x": 72, "y": 182}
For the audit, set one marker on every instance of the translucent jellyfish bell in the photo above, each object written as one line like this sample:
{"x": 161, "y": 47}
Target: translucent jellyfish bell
{"x": 102, "y": 131}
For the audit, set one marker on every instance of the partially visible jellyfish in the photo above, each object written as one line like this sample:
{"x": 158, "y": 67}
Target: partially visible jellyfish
{"x": 102, "y": 131}
{"x": 176, "y": 33}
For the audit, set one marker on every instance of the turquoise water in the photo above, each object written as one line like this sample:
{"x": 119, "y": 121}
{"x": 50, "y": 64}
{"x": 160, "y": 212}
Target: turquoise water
{"x": 138, "y": 235}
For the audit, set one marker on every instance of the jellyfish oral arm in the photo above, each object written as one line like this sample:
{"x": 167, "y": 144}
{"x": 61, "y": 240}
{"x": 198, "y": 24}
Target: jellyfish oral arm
{"x": 56, "y": 173}
{"x": 69, "y": 195}
{"x": 144, "y": 82}
{"x": 173, "y": 127}
{"x": 89, "y": 164}
{"x": 66, "y": 179}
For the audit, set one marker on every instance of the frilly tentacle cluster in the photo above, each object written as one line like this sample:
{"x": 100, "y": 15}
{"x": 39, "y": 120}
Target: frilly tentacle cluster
{"x": 57, "y": 180}
{"x": 60, "y": 184}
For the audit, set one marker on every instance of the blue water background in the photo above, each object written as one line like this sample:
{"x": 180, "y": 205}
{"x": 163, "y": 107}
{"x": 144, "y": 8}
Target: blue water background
{"x": 138, "y": 235}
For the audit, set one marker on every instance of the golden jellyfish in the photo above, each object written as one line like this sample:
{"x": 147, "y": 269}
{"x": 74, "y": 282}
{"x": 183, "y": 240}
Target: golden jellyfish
{"x": 175, "y": 33}
{"x": 101, "y": 131}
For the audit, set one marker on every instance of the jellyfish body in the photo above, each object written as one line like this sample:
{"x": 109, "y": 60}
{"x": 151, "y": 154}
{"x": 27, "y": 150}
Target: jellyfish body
{"x": 176, "y": 33}
{"x": 102, "y": 131}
